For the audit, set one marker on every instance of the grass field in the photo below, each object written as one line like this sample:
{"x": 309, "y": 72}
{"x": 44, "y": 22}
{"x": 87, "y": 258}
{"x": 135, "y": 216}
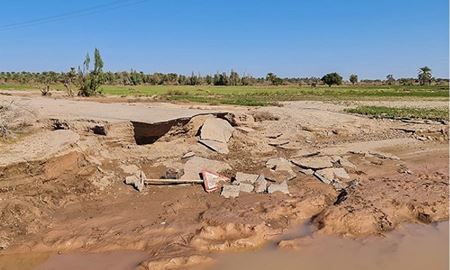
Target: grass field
{"x": 265, "y": 95}
{"x": 390, "y": 112}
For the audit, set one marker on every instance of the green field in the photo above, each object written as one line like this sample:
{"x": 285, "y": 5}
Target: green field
{"x": 266, "y": 95}
{"x": 390, "y": 112}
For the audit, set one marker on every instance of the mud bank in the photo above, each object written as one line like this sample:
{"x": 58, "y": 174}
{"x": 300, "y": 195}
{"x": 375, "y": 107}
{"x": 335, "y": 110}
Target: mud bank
{"x": 411, "y": 247}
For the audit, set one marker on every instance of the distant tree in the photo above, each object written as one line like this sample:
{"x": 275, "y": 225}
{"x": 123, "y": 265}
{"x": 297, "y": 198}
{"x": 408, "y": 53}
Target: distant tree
{"x": 234, "y": 78}
{"x": 135, "y": 78}
{"x": 69, "y": 80}
{"x": 182, "y": 80}
{"x": 406, "y": 81}
{"x": 248, "y": 80}
{"x": 220, "y": 79}
{"x": 273, "y": 79}
{"x": 390, "y": 79}
{"x": 332, "y": 78}
{"x": 209, "y": 79}
{"x": 91, "y": 80}
{"x": 194, "y": 79}
{"x": 425, "y": 75}
{"x": 353, "y": 78}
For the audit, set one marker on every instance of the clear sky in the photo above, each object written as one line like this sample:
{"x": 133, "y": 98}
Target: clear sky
{"x": 371, "y": 38}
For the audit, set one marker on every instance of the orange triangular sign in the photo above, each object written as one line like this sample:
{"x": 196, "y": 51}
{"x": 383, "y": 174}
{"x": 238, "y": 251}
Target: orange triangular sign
{"x": 212, "y": 180}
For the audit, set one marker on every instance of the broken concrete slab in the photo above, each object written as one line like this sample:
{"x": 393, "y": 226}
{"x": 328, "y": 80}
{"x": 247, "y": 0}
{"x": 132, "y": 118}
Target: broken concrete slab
{"x": 338, "y": 185}
{"x": 246, "y": 187}
{"x": 195, "y": 165}
{"x": 246, "y": 178}
{"x": 261, "y": 184}
{"x": 328, "y": 173}
{"x": 282, "y": 167}
{"x": 306, "y": 153}
{"x": 136, "y": 180}
{"x": 219, "y": 147}
{"x": 334, "y": 174}
{"x": 194, "y": 125}
{"x": 230, "y": 191}
{"x": 340, "y": 173}
{"x": 347, "y": 164}
{"x": 278, "y": 176}
{"x": 283, "y": 188}
{"x": 335, "y": 159}
{"x": 306, "y": 171}
{"x": 315, "y": 163}
{"x": 322, "y": 178}
{"x": 278, "y": 142}
{"x": 216, "y": 129}
{"x": 278, "y": 164}
{"x": 188, "y": 155}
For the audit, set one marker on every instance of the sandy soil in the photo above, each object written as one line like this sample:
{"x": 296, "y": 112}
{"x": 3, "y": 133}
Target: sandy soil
{"x": 62, "y": 190}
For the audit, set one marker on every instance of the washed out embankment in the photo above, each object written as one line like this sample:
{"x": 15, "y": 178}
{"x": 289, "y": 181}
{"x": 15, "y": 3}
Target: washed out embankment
{"x": 278, "y": 167}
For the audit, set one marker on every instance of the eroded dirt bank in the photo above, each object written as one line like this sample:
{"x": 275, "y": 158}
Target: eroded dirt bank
{"x": 62, "y": 180}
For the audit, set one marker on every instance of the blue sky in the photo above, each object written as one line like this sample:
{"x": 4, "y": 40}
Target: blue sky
{"x": 371, "y": 38}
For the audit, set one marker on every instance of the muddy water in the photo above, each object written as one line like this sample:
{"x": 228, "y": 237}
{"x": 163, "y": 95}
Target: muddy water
{"x": 412, "y": 247}
{"x": 116, "y": 260}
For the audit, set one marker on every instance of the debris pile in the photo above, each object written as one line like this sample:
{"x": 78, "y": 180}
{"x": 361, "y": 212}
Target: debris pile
{"x": 273, "y": 177}
{"x": 329, "y": 170}
{"x": 248, "y": 183}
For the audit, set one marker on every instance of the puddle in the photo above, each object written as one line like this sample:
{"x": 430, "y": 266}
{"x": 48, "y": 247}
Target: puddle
{"x": 26, "y": 261}
{"x": 413, "y": 247}
{"x": 114, "y": 260}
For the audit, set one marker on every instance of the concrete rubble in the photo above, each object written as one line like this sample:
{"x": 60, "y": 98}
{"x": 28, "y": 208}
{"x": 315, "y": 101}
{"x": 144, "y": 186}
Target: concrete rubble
{"x": 306, "y": 171}
{"x": 246, "y": 178}
{"x": 347, "y": 164}
{"x": 277, "y": 142}
{"x": 246, "y": 187}
{"x": 215, "y": 134}
{"x": 306, "y": 153}
{"x": 230, "y": 191}
{"x": 219, "y": 147}
{"x": 279, "y": 169}
{"x": 283, "y": 188}
{"x": 261, "y": 184}
{"x": 330, "y": 170}
{"x": 216, "y": 129}
{"x": 315, "y": 163}
{"x": 136, "y": 180}
{"x": 188, "y": 155}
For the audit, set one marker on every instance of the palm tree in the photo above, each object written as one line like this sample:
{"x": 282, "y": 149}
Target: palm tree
{"x": 425, "y": 75}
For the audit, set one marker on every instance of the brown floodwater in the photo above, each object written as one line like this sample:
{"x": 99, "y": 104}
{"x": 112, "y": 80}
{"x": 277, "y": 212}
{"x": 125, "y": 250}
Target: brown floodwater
{"x": 411, "y": 247}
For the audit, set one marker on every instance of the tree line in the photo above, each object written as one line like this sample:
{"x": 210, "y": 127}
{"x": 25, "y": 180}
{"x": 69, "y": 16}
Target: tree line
{"x": 88, "y": 78}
